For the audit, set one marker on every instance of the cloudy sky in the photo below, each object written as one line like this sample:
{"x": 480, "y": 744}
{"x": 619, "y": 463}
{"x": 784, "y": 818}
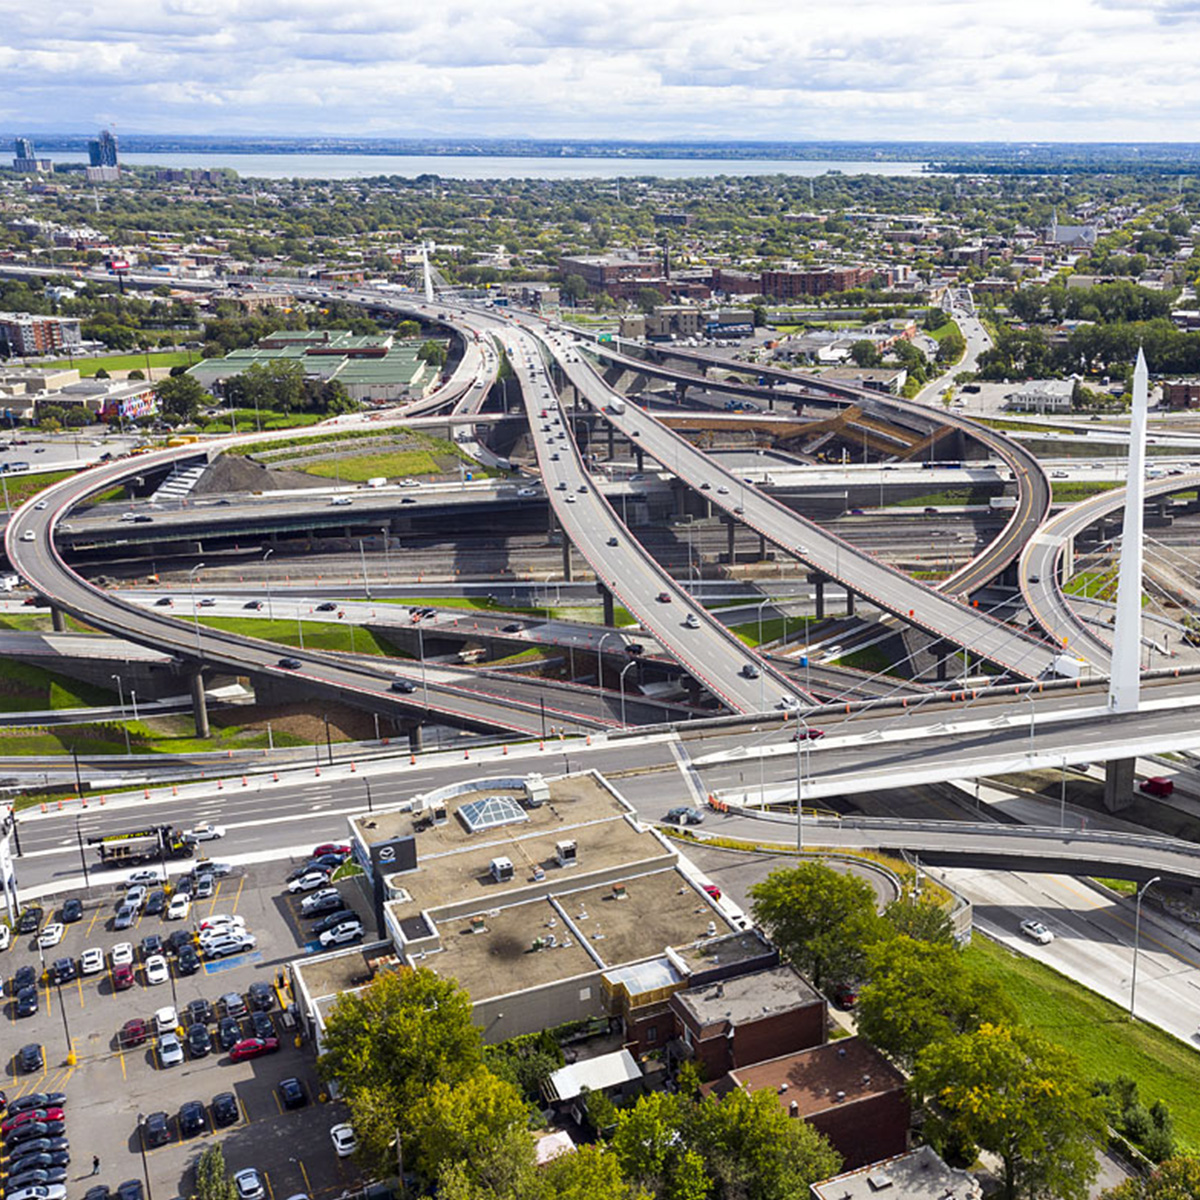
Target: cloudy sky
{"x": 800, "y": 70}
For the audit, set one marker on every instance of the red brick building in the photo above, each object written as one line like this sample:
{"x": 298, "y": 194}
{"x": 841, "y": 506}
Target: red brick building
{"x": 747, "y": 1018}
{"x": 1181, "y": 394}
{"x": 815, "y": 281}
{"x": 847, "y": 1090}
{"x": 31, "y": 334}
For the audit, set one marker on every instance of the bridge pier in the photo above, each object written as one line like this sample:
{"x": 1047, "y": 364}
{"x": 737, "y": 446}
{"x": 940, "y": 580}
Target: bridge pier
{"x": 680, "y": 393}
{"x": 1118, "y": 783}
{"x": 639, "y": 456}
{"x": 849, "y": 603}
{"x": 606, "y": 597}
{"x": 568, "y": 573}
{"x": 199, "y": 702}
{"x": 820, "y": 584}
{"x": 611, "y": 448}
{"x": 58, "y": 619}
{"x": 415, "y": 737}
{"x": 729, "y": 530}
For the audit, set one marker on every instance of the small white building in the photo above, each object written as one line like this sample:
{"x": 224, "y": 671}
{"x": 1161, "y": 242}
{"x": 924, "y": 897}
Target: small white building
{"x": 1042, "y": 396}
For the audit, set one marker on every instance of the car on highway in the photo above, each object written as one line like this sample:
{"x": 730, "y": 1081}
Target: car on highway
{"x": 327, "y": 606}
{"x": 290, "y": 664}
{"x": 204, "y": 832}
{"x": 808, "y": 735}
{"x": 404, "y": 686}
{"x": 691, "y": 621}
{"x": 684, "y": 814}
{"x": 164, "y": 602}
{"x": 1037, "y": 932}
{"x": 253, "y": 605}
{"x": 50, "y": 936}
{"x": 664, "y": 597}
{"x": 28, "y": 535}
{"x": 253, "y": 1047}
{"x": 170, "y": 1050}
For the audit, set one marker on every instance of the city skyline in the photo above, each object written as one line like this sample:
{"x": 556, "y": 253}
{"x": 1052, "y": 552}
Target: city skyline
{"x": 610, "y": 69}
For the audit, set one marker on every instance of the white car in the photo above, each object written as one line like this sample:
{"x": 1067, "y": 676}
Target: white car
{"x": 208, "y": 832}
{"x": 91, "y": 961}
{"x": 208, "y": 867}
{"x": 29, "y": 536}
{"x": 136, "y": 895}
{"x": 232, "y": 944}
{"x": 318, "y": 898}
{"x": 1037, "y": 932}
{"x": 157, "y": 970}
{"x": 249, "y": 1185}
{"x": 41, "y": 504}
{"x": 308, "y": 881}
{"x": 180, "y": 907}
{"x": 40, "y": 1191}
{"x": 143, "y": 878}
{"x": 5, "y": 936}
{"x": 341, "y": 935}
{"x": 344, "y": 1141}
{"x": 170, "y": 1050}
{"x": 166, "y": 1020}
{"x": 206, "y": 937}
{"x": 50, "y": 936}
{"x": 221, "y": 921}
{"x": 122, "y": 954}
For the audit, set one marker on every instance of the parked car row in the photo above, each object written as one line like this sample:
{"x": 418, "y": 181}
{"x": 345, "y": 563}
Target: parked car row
{"x": 37, "y": 1152}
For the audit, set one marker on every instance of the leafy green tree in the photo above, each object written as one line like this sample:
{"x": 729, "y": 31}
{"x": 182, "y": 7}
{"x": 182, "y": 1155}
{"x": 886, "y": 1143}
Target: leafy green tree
{"x": 575, "y": 288}
{"x": 952, "y": 347}
{"x": 1011, "y": 1092}
{"x": 759, "y": 312}
{"x": 648, "y": 299}
{"x": 865, "y": 353}
{"x": 456, "y": 1123}
{"x": 924, "y": 919}
{"x": 752, "y": 1149}
{"x": 822, "y": 920}
{"x": 648, "y": 1145}
{"x": 591, "y": 1173}
{"x": 408, "y": 329}
{"x": 919, "y": 993}
{"x": 433, "y": 353}
{"x": 181, "y": 396}
{"x": 1176, "y": 1179}
{"x": 212, "y": 1179}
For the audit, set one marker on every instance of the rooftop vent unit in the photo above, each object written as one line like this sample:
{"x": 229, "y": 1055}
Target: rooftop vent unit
{"x": 478, "y": 925}
{"x": 502, "y": 869}
{"x": 438, "y": 813}
{"x": 619, "y": 892}
{"x": 567, "y": 853}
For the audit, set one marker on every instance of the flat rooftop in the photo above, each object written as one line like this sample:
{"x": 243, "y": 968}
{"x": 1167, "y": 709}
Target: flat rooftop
{"x": 327, "y": 974}
{"x": 748, "y": 997}
{"x": 658, "y": 910}
{"x": 574, "y": 800}
{"x": 814, "y": 1078}
{"x": 501, "y": 958}
{"x": 918, "y": 1175}
{"x": 746, "y": 946}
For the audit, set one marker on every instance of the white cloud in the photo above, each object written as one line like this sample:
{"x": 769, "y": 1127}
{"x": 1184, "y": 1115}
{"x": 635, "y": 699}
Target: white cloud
{"x": 760, "y": 69}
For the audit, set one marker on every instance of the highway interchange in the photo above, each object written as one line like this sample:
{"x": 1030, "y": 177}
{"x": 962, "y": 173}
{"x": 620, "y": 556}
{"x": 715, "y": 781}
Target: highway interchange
{"x": 876, "y": 749}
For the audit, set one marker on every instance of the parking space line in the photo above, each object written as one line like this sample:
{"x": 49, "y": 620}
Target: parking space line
{"x": 278, "y": 1105}
{"x": 92, "y": 923}
{"x": 238, "y": 894}
{"x": 121, "y": 1058}
{"x": 304, "y": 1174}
{"x": 270, "y": 1189}
{"x": 79, "y": 985}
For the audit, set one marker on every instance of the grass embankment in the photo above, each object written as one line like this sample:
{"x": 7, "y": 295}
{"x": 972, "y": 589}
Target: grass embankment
{"x": 593, "y": 614}
{"x": 1064, "y": 493}
{"x": 1093, "y": 585}
{"x": 948, "y": 498}
{"x": 1098, "y": 1032}
{"x": 31, "y": 689}
{"x": 943, "y": 331}
{"x": 869, "y": 658}
{"x": 23, "y": 487}
{"x": 249, "y": 421}
{"x": 318, "y": 635}
{"x": 772, "y": 629}
{"x": 87, "y": 367}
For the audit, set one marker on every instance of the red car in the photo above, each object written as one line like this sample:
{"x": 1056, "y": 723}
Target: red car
{"x": 253, "y": 1047}
{"x": 713, "y": 890}
{"x": 807, "y": 735}
{"x": 122, "y": 978}
{"x": 30, "y": 1114}
{"x": 330, "y": 848}
{"x": 133, "y": 1033}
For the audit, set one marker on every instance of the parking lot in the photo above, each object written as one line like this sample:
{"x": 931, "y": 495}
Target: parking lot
{"x": 108, "y": 1086}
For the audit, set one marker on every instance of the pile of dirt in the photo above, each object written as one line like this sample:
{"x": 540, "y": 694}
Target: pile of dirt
{"x": 345, "y": 724}
{"x": 233, "y": 473}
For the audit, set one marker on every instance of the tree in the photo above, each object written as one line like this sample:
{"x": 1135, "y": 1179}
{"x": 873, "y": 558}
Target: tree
{"x": 919, "y": 993}
{"x": 924, "y": 919}
{"x": 462, "y": 1122}
{"x": 648, "y": 299}
{"x": 820, "y": 919}
{"x": 181, "y": 396}
{"x": 649, "y": 1148}
{"x": 1010, "y": 1091}
{"x": 408, "y": 329}
{"x": 432, "y": 352}
{"x": 865, "y": 353}
{"x": 575, "y": 288}
{"x": 759, "y": 316}
{"x": 1176, "y": 1179}
{"x": 752, "y": 1149}
{"x": 591, "y": 1173}
{"x": 212, "y": 1180}
{"x": 952, "y": 347}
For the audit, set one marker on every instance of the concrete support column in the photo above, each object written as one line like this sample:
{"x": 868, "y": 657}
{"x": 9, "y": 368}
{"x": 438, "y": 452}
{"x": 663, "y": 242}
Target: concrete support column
{"x": 610, "y": 616}
{"x": 199, "y": 703}
{"x": 566, "y": 549}
{"x": 1066, "y": 561}
{"x": 414, "y": 737}
{"x": 611, "y": 450}
{"x": 58, "y": 619}
{"x": 639, "y": 456}
{"x": 729, "y": 529}
{"x": 849, "y": 603}
{"x": 762, "y": 548}
{"x": 681, "y": 498}
{"x": 1118, "y": 783}
{"x": 680, "y": 393}
{"x": 820, "y": 598}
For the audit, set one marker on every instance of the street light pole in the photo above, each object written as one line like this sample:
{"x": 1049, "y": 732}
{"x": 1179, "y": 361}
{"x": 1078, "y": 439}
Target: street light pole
{"x": 600, "y": 658}
{"x": 362, "y": 554}
{"x": 424, "y": 676}
{"x": 141, "y": 1121}
{"x": 1137, "y": 932}
{"x": 270, "y": 609}
{"x": 621, "y": 682}
{"x": 195, "y": 610}
{"x": 121, "y": 701}
{"x": 82, "y": 856}
{"x": 800, "y": 784}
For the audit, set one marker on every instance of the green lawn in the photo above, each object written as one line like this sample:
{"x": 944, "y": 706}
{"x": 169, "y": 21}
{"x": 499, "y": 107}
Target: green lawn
{"x": 32, "y": 689}
{"x": 1091, "y": 583}
{"x": 773, "y": 628}
{"x": 359, "y": 468}
{"x": 129, "y": 362}
{"x": 318, "y": 635}
{"x": 943, "y": 331}
{"x": 870, "y": 658}
{"x": 1079, "y": 490}
{"x": 158, "y": 737}
{"x": 22, "y": 487}
{"x": 564, "y": 612}
{"x": 1098, "y": 1033}
{"x": 952, "y": 496}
